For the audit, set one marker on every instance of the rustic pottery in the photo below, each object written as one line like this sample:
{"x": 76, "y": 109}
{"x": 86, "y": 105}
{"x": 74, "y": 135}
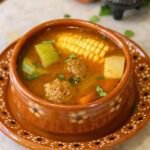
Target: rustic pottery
{"x": 12, "y": 125}
{"x": 76, "y": 120}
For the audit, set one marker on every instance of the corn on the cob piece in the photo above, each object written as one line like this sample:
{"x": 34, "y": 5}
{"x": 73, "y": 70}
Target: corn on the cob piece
{"x": 79, "y": 44}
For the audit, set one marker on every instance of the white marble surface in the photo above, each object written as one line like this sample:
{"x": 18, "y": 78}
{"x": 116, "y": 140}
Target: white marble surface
{"x": 17, "y": 16}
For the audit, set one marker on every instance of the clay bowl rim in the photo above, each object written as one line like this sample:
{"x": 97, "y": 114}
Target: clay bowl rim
{"x": 22, "y": 89}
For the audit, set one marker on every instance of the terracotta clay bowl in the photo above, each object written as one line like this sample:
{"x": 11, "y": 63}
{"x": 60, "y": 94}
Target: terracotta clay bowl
{"x": 19, "y": 130}
{"x": 104, "y": 115}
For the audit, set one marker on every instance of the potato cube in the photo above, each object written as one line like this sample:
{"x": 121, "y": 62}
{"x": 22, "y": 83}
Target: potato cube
{"x": 114, "y": 67}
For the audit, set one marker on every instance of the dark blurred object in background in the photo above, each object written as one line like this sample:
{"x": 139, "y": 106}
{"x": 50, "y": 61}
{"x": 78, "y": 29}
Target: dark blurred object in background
{"x": 1, "y": 1}
{"x": 119, "y": 6}
{"x": 87, "y": 1}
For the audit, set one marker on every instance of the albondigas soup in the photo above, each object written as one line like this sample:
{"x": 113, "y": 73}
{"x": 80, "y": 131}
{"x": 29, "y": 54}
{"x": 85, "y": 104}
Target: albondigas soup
{"x": 71, "y": 65}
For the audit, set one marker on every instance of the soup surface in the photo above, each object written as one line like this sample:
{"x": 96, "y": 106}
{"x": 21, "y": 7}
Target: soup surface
{"x": 70, "y": 65}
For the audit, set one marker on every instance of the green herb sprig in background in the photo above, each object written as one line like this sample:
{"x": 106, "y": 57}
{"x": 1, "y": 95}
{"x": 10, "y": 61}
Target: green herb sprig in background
{"x": 105, "y": 10}
{"x": 67, "y": 16}
{"x": 129, "y": 33}
{"x": 94, "y": 19}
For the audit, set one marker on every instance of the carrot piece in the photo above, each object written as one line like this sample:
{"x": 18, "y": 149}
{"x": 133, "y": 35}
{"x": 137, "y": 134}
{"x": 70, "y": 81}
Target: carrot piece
{"x": 87, "y": 98}
{"x": 109, "y": 84}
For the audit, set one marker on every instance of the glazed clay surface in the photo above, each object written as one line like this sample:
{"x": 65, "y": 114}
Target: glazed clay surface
{"x": 28, "y": 17}
{"x": 140, "y": 116}
{"x": 88, "y": 118}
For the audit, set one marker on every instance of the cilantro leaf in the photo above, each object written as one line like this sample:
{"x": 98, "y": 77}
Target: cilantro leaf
{"x": 61, "y": 76}
{"x": 94, "y": 19}
{"x": 70, "y": 57}
{"x": 100, "y": 91}
{"x": 74, "y": 80}
{"x": 34, "y": 76}
{"x": 104, "y": 37}
{"x": 67, "y": 16}
{"x": 103, "y": 94}
{"x": 105, "y": 11}
{"x": 129, "y": 33}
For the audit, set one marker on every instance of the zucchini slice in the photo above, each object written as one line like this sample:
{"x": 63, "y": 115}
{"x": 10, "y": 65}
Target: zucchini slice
{"x": 47, "y": 54}
{"x": 32, "y": 70}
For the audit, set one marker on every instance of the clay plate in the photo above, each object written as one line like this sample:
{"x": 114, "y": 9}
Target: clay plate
{"x": 138, "y": 120}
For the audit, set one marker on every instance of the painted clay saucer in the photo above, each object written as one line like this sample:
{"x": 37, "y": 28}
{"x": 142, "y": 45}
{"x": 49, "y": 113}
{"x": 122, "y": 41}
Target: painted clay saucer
{"x": 138, "y": 120}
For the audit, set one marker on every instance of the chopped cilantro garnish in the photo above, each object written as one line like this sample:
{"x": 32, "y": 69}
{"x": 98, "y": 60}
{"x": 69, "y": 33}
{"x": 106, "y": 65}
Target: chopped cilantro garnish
{"x": 94, "y": 19}
{"x": 100, "y": 91}
{"x": 33, "y": 76}
{"x": 67, "y": 16}
{"x": 129, "y": 33}
{"x": 105, "y": 11}
{"x": 74, "y": 80}
{"x": 61, "y": 76}
{"x": 104, "y": 37}
{"x": 70, "y": 57}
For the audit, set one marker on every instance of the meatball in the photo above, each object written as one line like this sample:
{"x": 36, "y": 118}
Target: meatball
{"x": 58, "y": 91}
{"x": 77, "y": 68}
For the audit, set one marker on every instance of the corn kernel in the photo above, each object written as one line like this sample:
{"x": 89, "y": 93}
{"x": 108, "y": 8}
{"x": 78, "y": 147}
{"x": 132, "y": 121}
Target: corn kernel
{"x": 72, "y": 41}
{"x": 93, "y": 49}
{"x": 76, "y": 36}
{"x": 91, "y": 55}
{"x": 68, "y": 46}
{"x": 96, "y": 44}
{"x": 77, "y": 42}
{"x": 88, "y": 48}
{"x": 106, "y": 48}
{"x": 102, "y": 54}
{"x": 61, "y": 38}
{"x": 101, "y": 45}
{"x": 88, "y": 40}
{"x": 72, "y": 47}
{"x": 81, "y": 51}
{"x": 97, "y": 51}
{"x": 65, "y": 39}
{"x": 91, "y": 42}
{"x": 69, "y": 39}
{"x": 81, "y": 42}
{"x": 85, "y": 54}
{"x": 76, "y": 49}
{"x": 84, "y": 45}
{"x": 96, "y": 58}
{"x": 63, "y": 44}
